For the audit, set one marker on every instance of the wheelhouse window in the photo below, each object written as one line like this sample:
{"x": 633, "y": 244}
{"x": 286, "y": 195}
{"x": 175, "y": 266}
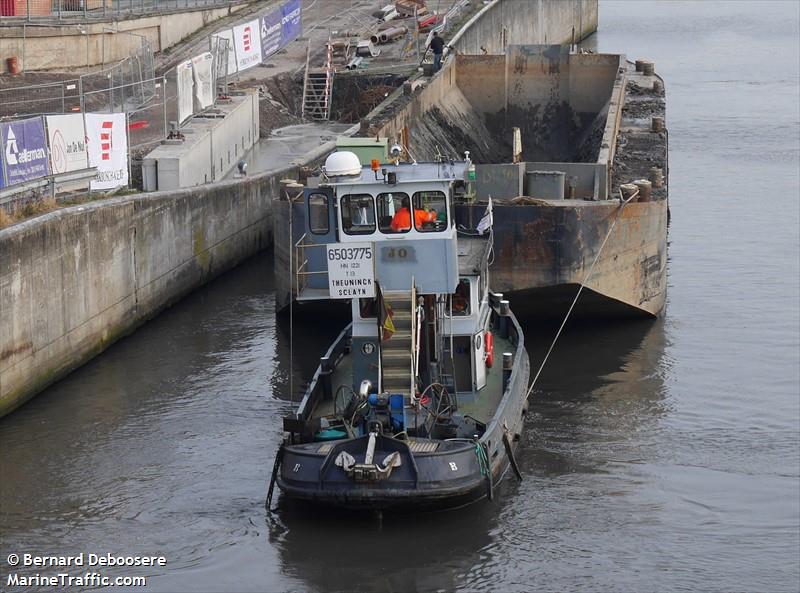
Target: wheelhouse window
{"x": 394, "y": 212}
{"x": 358, "y": 214}
{"x": 430, "y": 211}
{"x": 318, "y": 221}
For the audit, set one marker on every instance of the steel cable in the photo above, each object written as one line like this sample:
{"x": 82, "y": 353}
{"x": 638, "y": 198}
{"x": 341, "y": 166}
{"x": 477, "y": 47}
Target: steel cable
{"x": 623, "y": 203}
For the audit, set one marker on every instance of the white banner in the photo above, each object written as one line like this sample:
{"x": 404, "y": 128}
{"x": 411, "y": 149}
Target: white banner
{"x": 351, "y": 271}
{"x": 66, "y": 137}
{"x": 185, "y": 91}
{"x": 107, "y": 142}
{"x": 228, "y": 34}
{"x": 203, "y": 81}
{"x": 247, "y": 39}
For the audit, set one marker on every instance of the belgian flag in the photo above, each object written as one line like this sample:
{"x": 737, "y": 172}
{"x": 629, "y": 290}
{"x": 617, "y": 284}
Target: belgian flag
{"x": 384, "y": 316}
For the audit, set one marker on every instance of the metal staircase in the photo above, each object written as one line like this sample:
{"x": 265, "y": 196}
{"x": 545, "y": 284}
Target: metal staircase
{"x": 396, "y": 352}
{"x": 318, "y": 86}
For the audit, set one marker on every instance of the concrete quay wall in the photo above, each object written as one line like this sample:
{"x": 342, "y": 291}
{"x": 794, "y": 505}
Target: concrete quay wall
{"x": 74, "y": 281}
{"x": 527, "y": 22}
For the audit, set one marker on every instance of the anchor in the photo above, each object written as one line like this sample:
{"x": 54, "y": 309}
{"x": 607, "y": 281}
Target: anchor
{"x": 368, "y": 471}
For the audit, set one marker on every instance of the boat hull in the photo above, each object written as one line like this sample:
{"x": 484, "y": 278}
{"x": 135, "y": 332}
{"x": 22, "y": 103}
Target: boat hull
{"x": 420, "y": 482}
{"x": 432, "y": 475}
{"x": 544, "y": 250}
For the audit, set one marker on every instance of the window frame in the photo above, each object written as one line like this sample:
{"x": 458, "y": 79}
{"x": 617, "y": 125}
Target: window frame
{"x": 417, "y": 198}
{"x": 327, "y": 213}
{"x": 372, "y": 228}
{"x": 468, "y": 310}
{"x": 377, "y": 213}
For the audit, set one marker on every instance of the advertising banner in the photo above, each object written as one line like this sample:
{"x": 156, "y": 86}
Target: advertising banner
{"x": 228, "y": 36}
{"x": 271, "y": 33}
{"x": 203, "y": 80}
{"x": 247, "y": 40}
{"x": 107, "y": 141}
{"x": 185, "y": 90}
{"x": 24, "y": 150}
{"x": 292, "y": 21}
{"x": 67, "y": 137}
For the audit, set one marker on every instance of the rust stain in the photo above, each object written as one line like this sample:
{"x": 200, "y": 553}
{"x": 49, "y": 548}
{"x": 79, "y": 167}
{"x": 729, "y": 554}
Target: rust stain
{"x": 9, "y": 352}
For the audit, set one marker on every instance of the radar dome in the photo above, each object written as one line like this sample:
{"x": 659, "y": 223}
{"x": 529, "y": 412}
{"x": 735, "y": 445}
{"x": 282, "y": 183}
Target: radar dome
{"x": 342, "y": 163}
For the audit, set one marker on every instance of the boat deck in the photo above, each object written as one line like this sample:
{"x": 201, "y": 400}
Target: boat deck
{"x": 480, "y": 405}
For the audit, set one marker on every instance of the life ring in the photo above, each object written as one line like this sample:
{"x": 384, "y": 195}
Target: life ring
{"x": 489, "y": 349}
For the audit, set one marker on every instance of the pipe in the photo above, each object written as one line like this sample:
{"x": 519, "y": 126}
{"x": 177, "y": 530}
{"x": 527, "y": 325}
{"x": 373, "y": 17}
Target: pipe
{"x": 392, "y": 34}
{"x": 354, "y": 63}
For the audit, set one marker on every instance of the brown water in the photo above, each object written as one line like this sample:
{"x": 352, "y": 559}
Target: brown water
{"x": 659, "y": 456}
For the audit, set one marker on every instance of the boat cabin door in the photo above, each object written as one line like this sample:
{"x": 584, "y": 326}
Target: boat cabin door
{"x": 311, "y": 265}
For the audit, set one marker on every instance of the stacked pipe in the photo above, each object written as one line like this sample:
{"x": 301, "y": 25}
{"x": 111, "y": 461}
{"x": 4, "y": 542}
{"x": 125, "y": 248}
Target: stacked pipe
{"x": 354, "y": 63}
{"x": 388, "y": 35}
{"x": 392, "y": 34}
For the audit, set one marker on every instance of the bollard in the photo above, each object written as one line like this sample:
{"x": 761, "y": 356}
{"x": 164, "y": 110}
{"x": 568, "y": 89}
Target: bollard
{"x": 628, "y": 190}
{"x": 657, "y": 124}
{"x": 363, "y": 126}
{"x": 658, "y": 86}
{"x": 293, "y": 191}
{"x": 508, "y": 366}
{"x": 285, "y": 183}
{"x": 645, "y": 189}
{"x": 326, "y": 377}
{"x": 639, "y": 65}
{"x": 648, "y": 68}
{"x": 504, "y": 312}
{"x": 656, "y": 177}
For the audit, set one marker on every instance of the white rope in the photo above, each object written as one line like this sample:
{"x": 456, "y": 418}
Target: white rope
{"x": 623, "y": 203}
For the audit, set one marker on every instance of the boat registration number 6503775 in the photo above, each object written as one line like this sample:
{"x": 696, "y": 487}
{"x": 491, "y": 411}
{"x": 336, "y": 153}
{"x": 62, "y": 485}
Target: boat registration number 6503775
{"x": 351, "y": 272}
{"x": 349, "y": 253}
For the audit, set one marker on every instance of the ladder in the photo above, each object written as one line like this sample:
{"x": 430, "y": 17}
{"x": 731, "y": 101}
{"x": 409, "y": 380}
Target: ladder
{"x": 396, "y": 353}
{"x": 318, "y": 86}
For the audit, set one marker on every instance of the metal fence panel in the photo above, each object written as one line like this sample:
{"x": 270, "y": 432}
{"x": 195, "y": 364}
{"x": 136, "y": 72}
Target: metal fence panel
{"x": 85, "y": 10}
{"x": 42, "y": 99}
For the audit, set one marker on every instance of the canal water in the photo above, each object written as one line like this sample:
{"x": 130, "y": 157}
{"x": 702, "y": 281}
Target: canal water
{"x": 659, "y": 455}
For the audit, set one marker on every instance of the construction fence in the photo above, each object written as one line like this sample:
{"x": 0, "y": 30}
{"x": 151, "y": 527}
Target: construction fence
{"x": 144, "y": 107}
{"x": 72, "y": 10}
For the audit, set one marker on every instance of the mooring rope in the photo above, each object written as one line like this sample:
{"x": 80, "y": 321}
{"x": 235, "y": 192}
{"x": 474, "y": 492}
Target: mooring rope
{"x": 623, "y": 203}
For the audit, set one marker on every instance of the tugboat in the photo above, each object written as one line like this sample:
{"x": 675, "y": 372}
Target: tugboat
{"x": 419, "y": 402}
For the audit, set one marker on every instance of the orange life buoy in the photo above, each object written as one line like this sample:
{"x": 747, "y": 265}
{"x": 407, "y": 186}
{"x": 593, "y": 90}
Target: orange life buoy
{"x": 489, "y": 349}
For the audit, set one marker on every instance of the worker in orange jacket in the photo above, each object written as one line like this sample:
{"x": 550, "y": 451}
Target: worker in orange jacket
{"x": 402, "y": 218}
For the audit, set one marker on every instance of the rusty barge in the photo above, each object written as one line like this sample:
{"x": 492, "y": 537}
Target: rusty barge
{"x": 556, "y": 136}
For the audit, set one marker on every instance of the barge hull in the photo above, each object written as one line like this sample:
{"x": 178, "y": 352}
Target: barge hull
{"x": 544, "y": 251}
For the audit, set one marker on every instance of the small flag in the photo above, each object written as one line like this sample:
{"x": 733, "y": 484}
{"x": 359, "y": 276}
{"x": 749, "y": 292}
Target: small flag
{"x": 487, "y": 220}
{"x": 388, "y": 324}
{"x": 385, "y": 317}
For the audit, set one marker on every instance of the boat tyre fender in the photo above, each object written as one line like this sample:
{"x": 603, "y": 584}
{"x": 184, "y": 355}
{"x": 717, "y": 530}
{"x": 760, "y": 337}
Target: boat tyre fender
{"x": 489, "y": 349}
{"x": 275, "y": 467}
{"x": 510, "y": 453}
